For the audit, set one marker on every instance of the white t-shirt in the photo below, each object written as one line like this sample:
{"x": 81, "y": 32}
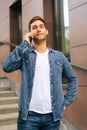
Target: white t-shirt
{"x": 41, "y": 93}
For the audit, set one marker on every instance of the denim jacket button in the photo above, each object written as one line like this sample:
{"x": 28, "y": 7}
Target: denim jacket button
{"x": 52, "y": 107}
{"x": 50, "y": 74}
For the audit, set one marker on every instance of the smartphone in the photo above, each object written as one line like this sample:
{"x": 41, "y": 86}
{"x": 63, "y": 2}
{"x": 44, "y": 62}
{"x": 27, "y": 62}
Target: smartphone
{"x": 30, "y": 39}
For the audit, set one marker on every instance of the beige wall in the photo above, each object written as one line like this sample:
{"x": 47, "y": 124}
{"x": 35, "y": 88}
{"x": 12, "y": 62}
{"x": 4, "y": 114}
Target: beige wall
{"x": 77, "y": 113}
{"x": 5, "y": 36}
{"x": 4, "y": 19}
{"x": 14, "y": 76}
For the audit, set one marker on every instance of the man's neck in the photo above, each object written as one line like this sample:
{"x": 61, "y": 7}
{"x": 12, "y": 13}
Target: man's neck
{"x": 41, "y": 47}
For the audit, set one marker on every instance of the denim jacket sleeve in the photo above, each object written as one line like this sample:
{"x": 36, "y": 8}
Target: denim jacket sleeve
{"x": 13, "y": 61}
{"x": 72, "y": 83}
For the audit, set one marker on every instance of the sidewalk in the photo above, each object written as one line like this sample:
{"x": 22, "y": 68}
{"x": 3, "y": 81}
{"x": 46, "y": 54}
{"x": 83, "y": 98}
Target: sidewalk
{"x": 65, "y": 125}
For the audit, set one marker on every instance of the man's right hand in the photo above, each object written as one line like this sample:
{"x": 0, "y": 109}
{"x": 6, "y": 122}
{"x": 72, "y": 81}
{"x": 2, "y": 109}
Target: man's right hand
{"x": 27, "y": 37}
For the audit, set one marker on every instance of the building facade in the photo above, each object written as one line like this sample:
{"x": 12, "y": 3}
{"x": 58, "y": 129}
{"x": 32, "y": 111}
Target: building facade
{"x": 78, "y": 52}
{"x": 14, "y": 18}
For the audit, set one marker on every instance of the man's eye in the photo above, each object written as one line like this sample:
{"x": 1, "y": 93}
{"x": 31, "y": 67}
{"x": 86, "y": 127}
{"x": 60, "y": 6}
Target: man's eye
{"x": 41, "y": 26}
{"x": 34, "y": 27}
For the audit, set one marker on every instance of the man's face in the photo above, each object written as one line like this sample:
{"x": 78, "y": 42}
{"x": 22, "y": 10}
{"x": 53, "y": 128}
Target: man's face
{"x": 38, "y": 30}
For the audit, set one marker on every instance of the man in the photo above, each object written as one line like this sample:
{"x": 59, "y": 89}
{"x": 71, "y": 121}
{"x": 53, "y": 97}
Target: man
{"x": 42, "y": 103}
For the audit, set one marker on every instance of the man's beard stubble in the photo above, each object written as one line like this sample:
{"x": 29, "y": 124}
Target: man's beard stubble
{"x": 38, "y": 41}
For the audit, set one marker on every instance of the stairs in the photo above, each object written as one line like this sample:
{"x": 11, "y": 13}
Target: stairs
{"x": 8, "y": 108}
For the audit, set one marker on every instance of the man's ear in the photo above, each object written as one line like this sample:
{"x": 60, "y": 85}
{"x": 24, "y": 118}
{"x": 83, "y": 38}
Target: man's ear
{"x": 47, "y": 32}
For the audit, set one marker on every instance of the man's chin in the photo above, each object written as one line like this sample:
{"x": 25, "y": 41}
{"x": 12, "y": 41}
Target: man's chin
{"x": 38, "y": 40}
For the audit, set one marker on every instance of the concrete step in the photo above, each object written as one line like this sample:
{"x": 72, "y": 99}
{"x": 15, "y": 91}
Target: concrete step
{"x": 8, "y": 108}
{"x": 7, "y": 119}
{"x": 4, "y": 88}
{"x": 9, "y": 127}
{"x": 7, "y": 94}
{"x": 8, "y": 100}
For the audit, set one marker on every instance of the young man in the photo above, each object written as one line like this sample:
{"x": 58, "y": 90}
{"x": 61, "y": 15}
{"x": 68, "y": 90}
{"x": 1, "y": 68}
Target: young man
{"x": 42, "y": 103}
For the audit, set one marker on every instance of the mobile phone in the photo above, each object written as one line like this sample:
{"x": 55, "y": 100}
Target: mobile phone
{"x": 30, "y": 39}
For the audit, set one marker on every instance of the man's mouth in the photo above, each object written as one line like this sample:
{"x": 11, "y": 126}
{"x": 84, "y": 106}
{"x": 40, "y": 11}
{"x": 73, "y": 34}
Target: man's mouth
{"x": 39, "y": 34}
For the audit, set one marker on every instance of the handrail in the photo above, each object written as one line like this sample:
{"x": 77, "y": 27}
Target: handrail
{"x": 7, "y": 43}
{"x": 79, "y": 67}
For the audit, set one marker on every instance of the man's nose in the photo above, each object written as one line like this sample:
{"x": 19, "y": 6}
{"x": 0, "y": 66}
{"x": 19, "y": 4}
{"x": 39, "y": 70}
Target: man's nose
{"x": 38, "y": 28}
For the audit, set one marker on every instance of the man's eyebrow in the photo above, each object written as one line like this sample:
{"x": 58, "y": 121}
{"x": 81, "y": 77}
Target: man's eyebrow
{"x": 33, "y": 25}
{"x": 37, "y": 25}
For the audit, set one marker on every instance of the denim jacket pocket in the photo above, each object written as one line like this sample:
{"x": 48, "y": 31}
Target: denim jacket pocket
{"x": 27, "y": 61}
{"x": 58, "y": 66}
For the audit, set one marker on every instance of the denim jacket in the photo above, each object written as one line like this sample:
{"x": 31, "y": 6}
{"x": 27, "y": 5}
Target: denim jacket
{"x": 24, "y": 58}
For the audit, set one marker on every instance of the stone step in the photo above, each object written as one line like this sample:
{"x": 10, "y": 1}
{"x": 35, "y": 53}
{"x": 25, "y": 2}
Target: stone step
{"x": 9, "y": 127}
{"x": 8, "y": 108}
{"x": 7, "y": 94}
{"x": 8, "y": 100}
{"x": 7, "y": 119}
{"x": 4, "y": 88}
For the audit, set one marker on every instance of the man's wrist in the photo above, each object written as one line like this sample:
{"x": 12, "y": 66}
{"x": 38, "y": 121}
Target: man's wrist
{"x": 65, "y": 107}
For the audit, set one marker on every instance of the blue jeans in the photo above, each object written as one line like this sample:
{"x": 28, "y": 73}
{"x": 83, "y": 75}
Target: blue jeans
{"x": 37, "y": 121}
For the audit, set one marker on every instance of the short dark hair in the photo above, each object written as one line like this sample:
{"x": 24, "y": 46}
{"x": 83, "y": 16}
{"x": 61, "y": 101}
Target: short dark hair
{"x": 34, "y": 19}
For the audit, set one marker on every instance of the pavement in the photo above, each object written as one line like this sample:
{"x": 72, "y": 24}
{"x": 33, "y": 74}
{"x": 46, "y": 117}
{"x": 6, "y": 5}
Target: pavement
{"x": 65, "y": 125}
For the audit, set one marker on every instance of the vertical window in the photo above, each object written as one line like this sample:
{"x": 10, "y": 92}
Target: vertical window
{"x": 15, "y": 24}
{"x": 66, "y": 27}
{"x": 61, "y": 26}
